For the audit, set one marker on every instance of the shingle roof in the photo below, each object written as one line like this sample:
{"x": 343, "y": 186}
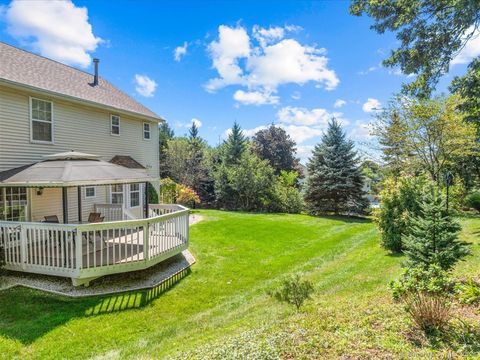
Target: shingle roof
{"x": 25, "y": 68}
{"x": 126, "y": 161}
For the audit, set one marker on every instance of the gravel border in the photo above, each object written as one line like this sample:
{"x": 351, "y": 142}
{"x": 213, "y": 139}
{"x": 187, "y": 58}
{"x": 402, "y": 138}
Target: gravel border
{"x": 172, "y": 270}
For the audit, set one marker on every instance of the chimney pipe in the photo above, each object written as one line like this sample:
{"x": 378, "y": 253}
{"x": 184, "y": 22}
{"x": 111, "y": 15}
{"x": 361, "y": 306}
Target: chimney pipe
{"x": 95, "y": 76}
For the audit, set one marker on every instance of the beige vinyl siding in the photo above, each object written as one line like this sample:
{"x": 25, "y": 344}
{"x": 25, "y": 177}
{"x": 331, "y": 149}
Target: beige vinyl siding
{"x": 76, "y": 127}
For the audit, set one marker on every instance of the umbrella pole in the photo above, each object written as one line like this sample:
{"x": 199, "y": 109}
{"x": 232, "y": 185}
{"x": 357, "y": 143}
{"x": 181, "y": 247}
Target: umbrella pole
{"x": 65, "y": 205}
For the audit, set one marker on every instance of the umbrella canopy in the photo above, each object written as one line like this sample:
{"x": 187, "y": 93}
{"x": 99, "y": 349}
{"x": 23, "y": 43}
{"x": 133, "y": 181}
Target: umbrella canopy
{"x": 72, "y": 169}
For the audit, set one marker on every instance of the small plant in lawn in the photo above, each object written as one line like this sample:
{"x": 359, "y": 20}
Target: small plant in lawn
{"x": 425, "y": 293}
{"x": 293, "y": 291}
{"x": 469, "y": 292}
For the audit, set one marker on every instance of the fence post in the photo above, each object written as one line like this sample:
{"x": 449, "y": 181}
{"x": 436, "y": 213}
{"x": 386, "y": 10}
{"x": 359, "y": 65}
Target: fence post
{"x": 23, "y": 246}
{"x": 78, "y": 249}
{"x": 146, "y": 240}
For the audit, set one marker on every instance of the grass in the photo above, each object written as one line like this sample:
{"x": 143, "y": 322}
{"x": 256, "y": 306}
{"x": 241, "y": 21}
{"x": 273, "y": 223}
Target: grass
{"x": 222, "y": 310}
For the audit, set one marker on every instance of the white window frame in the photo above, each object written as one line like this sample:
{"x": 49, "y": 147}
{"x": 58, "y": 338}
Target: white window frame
{"x": 139, "y": 191}
{"x": 94, "y": 192}
{"x": 111, "y": 125}
{"x": 52, "y": 122}
{"x": 145, "y": 131}
{"x": 118, "y": 192}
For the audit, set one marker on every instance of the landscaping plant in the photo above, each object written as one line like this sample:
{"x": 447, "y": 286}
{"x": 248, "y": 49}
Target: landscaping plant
{"x": 400, "y": 201}
{"x": 294, "y": 291}
{"x": 469, "y": 292}
{"x": 425, "y": 295}
{"x": 473, "y": 200}
{"x": 433, "y": 236}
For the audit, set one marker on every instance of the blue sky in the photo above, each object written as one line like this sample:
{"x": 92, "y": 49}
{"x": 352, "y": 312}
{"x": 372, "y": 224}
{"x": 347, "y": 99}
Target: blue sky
{"x": 287, "y": 62}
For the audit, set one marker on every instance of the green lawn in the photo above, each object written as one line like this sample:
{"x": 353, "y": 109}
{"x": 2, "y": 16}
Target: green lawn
{"x": 221, "y": 308}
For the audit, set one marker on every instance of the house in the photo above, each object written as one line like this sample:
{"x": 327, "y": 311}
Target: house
{"x": 78, "y": 152}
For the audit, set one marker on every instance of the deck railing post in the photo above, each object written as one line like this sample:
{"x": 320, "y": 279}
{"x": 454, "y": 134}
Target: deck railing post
{"x": 146, "y": 240}
{"x": 23, "y": 246}
{"x": 78, "y": 250}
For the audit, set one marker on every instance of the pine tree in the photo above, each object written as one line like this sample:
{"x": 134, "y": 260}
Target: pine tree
{"x": 165, "y": 133}
{"x": 235, "y": 145}
{"x": 335, "y": 181}
{"x": 199, "y": 178}
{"x": 433, "y": 236}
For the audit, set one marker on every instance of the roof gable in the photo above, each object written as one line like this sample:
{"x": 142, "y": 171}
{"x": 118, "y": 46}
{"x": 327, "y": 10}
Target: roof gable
{"x": 25, "y": 68}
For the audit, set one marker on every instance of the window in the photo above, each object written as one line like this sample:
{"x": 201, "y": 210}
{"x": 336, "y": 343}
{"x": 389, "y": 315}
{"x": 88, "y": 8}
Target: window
{"x": 146, "y": 131}
{"x": 13, "y": 204}
{"x": 116, "y": 194}
{"x": 115, "y": 125}
{"x": 41, "y": 121}
{"x": 134, "y": 195}
{"x": 90, "y": 192}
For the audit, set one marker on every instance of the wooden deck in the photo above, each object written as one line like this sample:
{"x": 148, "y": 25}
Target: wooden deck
{"x": 92, "y": 250}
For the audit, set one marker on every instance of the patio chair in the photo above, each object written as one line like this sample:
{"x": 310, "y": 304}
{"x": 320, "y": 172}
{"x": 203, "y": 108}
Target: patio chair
{"x": 52, "y": 219}
{"x": 93, "y": 217}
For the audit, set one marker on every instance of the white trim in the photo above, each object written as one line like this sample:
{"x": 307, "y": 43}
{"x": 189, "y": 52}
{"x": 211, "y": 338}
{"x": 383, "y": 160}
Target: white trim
{"x": 117, "y": 192}
{"x": 149, "y": 131}
{"x": 139, "y": 191}
{"x": 111, "y": 125}
{"x": 94, "y": 192}
{"x": 16, "y": 85}
{"x": 52, "y": 122}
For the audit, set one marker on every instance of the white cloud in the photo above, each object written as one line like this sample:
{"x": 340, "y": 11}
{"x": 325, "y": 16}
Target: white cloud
{"x": 188, "y": 124}
{"x": 303, "y": 116}
{"x": 371, "y": 105}
{"x": 267, "y": 36}
{"x": 273, "y": 62}
{"x": 471, "y": 49}
{"x": 301, "y": 133}
{"x": 197, "y": 122}
{"x": 180, "y": 51}
{"x": 361, "y": 131}
{"x": 304, "y": 152}
{"x": 369, "y": 70}
{"x": 255, "y": 97}
{"x": 144, "y": 85}
{"x": 296, "y": 95}
{"x": 232, "y": 45}
{"x": 339, "y": 103}
{"x": 56, "y": 29}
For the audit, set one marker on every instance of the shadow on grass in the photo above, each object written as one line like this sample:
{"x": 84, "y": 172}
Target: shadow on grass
{"x": 26, "y": 314}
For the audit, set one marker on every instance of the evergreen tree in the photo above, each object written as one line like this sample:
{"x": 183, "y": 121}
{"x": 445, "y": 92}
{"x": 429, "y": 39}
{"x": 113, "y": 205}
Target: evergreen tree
{"x": 335, "y": 182}
{"x": 235, "y": 145}
{"x": 276, "y": 146}
{"x": 199, "y": 178}
{"x": 433, "y": 236}
{"x": 165, "y": 133}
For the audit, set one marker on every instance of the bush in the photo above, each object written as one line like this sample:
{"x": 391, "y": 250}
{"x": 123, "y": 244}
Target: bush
{"x": 168, "y": 191}
{"x": 469, "y": 293}
{"x": 186, "y": 195}
{"x": 425, "y": 295}
{"x": 473, "y": 200}
{"x": 286, "y": 196}
{"x": 400, "y": 200}
{"x": 294, "y": 291}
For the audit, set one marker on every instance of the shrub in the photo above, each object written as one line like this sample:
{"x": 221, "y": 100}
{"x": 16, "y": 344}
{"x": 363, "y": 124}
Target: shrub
{"x": 473, "y": 200}
{"x": 425, "y": 295}
{"x": 400, "y": 200}
{"x": 186, "y": 195}
{"x": 286, "y": 196}
{"x": 168, "y": 191}
{"x": 469, "y": 292}
{"x": 294, "y": 291}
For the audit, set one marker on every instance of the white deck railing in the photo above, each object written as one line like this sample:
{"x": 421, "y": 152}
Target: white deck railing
{"x": 86, "y": 251}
